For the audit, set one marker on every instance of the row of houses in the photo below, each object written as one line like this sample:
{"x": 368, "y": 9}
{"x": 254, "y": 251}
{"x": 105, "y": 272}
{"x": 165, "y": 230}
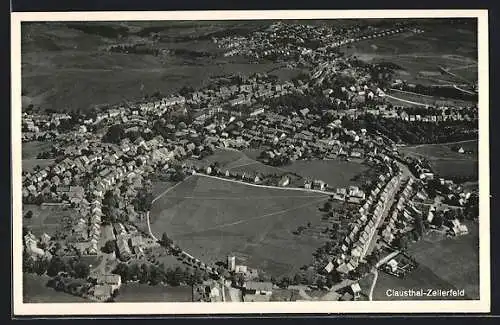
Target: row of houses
{"x": 357, "y": 242}
{"x": 395, "y": 223}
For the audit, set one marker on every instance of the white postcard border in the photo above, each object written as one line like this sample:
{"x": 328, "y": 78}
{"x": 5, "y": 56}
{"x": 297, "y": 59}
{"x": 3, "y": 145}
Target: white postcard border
{"x": 300, "y": 307}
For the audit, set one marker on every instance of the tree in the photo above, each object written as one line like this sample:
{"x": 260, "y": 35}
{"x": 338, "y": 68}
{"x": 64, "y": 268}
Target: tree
{"x": 178, "y": 176}
{"x": 29, "y": 214}
{"x": 363, "y": 268}
{"x": 197, "y": 276}
{"x": 109, "y": 247}
{"x": 133, "y": 272}
{"x": 81, "y": 269}
{"x": 28, "y": 262}
{"x": 122, "y": 270}
{"x": 320, "y": 282}
{"x": 401, "y": 242}
{"x": 419, "y": 225}
{"x": 56, "y": 265}
{"x": 144, "y": 273}
{"x": 333, "y": 278}
{"x": 297, "y": 279}
{"x": 327, "y": 206}
{"x": 155, "y": 276}
{"x": 186, "y": 90}
{"x": 284, "y": 282}
{"x": 114, "y": 134}
{"x": 239, "y": 280}
{"x": 165, "y": 240}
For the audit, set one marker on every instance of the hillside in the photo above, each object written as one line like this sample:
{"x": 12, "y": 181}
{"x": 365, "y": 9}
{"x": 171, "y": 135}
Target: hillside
{"x": 69, "y": 66}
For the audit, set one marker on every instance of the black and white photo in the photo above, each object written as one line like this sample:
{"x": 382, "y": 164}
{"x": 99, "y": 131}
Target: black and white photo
{"x": 314, "y": 163}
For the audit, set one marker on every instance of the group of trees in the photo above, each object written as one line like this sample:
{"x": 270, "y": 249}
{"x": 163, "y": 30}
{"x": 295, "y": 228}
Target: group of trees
{"x": 110, "y": 31}
{"x": 73, "y": 266}
{"x": 308, "y": 277}
{"x": 382, "y": 73}
{"x": 361, "y": 270}
{"x": 115, "y": 134}
{"x": 110, "y": 207}
{"x": 166, "y": 241}
{"x": 421, "y": 132}
{"x": 179, "y": 175}
{"x": 447, "y": 92}
{"x": 471, "y": 211}
{"x": 294, "y": 102}
{"x": 144, "y": 200}
{"x": 137, "y": 49}
{"x": 38, "y": 266}
{"x": 153, "y": 275}
{"x": 277, "y": 161}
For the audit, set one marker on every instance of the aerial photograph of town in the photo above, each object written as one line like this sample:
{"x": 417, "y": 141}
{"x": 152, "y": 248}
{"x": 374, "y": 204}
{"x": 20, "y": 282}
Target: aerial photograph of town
{"x": 250, "y": 160}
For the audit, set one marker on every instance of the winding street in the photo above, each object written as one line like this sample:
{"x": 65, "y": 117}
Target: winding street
{"x": 154, "y": 200}
{"x": 406, "y": 101}
{"x": 372, "y": 287}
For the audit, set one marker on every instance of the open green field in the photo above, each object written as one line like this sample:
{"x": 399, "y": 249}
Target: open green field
{"x": 31, "y": 149}
{"x": 336, "y": 173}
{"x": 30, "y": 164}
{"x": 45, "y": 219}
{"x": 66, "y": 67}
{"x": 211, "y": 218}
{"x": 459, "y": 168}
{"x": 223, "y": 157}
{"x": 159, "y": 187}
{"x": 136, "y": 292}
{"x": 456, "y": 260}
{"x": 443, "y": 264}
{"x": 239, "y": 162}
{"x": 410, "y": 99}
{"x": 36, "y": 291}
{"x": 421, "y": 278}
{"x": 444, "y": 151}
{"x": 445, "y": 161}
{"x": 451, "y": 46}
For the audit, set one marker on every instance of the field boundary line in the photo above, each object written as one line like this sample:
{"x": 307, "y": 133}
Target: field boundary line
{"x": 268, "y": 186}
{"x": 439, "y": 144}
{"x": 410, "y": 92}
{"x": 148, "y": 219}
{"x": 406, "y": 101}
{"x": 240, "y": 198}
{"x": 169, "y": 189}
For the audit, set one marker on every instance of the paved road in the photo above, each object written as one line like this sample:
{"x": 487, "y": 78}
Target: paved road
{"x": 406, "y": 101}
{"x": 372, "y": 287}
{"x": 300, "y": 189}
{"x": 438, "y": 144}
{"x": 154, "y": 200}
{"x": 464, "y": 90}
{"x": 387, "y": 258}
